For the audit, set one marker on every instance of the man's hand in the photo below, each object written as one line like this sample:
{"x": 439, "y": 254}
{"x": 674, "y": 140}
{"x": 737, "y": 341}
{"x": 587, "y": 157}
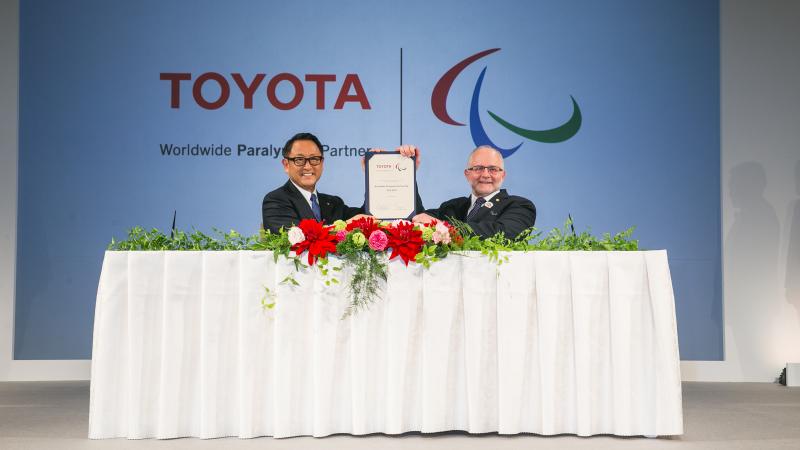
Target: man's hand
{"x": 411, "y": 150}
{"x": 422, "y": 218}
{"x": 357, "y": 216}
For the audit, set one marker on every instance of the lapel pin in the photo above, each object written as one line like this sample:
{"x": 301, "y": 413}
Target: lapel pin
{"x": 488, "y": 205}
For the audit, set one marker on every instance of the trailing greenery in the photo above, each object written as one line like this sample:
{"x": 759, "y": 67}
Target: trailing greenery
{"x": 365, "y": 283}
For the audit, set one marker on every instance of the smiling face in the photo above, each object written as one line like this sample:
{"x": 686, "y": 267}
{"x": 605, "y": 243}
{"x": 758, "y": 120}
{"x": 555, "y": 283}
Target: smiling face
{"x": 484, "y": 182}
{"x": 305, "y": 176}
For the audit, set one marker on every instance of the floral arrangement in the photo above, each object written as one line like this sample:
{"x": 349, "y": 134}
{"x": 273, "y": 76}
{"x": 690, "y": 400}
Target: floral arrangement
{"x": 366, "y": 245}
{"x": 405, "y": 239}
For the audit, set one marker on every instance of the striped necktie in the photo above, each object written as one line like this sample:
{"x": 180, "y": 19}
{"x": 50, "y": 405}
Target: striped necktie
{"x": 476, "y": 207}
{"x": 315, "y": 207}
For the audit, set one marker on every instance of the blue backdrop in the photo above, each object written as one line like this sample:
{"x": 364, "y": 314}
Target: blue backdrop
{"x": 95, "y": 115}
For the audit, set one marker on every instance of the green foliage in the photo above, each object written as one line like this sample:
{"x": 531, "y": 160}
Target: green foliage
{"x": 143, "y": 240}
{"x": 290, "y": 280}
{"x": 558, "y": 239}
{"x": 368, "y": 271}
{"x": 268, "y": 300}
{"x": 365, "y": 284}
{"x": 566, "y": 239}
{"x": 431, "y": 253}
{"x": 278, "y": 243}
{"x": 328, "y": 271}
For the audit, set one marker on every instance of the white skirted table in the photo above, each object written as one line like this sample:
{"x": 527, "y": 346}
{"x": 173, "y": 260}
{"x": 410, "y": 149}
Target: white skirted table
{"x": 547, "y": 343}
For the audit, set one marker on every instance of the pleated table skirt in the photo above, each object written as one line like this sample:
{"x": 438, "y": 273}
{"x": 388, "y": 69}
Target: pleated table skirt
{"x": 547, "y": 343}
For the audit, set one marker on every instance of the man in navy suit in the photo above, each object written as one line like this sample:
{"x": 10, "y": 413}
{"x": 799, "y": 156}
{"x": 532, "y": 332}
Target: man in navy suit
{"x": 488, "y": 210}
{"x": 298, "y": 198}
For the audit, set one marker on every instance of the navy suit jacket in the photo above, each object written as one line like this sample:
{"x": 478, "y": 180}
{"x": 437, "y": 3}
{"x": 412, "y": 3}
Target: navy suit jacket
{"x": 286, "y": 206}
{"x": 508, "y": 214}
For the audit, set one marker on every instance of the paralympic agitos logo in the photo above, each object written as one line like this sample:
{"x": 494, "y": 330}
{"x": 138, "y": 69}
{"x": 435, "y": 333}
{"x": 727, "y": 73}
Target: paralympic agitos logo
{"x": 479, "y": 136}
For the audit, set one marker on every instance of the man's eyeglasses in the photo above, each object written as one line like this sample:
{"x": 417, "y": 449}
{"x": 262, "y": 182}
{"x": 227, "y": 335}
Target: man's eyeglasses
{"x": 479, "y": 169}
{"x": 300, "y": 161}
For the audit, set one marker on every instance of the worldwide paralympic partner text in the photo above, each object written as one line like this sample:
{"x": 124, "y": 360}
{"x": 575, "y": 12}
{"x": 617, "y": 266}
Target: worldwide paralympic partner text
{"x": 273, "y": 151}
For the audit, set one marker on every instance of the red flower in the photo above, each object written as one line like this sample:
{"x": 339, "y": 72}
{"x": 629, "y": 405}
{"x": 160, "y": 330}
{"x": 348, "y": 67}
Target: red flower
{"x": 405, "y": 241}
{"x": 319, "y": 240}
{"x": 366, "y": 224}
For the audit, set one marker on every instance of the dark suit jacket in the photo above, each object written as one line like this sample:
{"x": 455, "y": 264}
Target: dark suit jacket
{"x": 509, "y": 214}
{"x": 286, "y": 206}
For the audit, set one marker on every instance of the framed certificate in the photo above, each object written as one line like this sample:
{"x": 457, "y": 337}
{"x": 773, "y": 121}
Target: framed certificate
{"x": 391, "y": 188}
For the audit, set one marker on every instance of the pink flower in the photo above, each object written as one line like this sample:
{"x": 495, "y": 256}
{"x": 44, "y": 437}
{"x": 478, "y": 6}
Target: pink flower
{"x": 341, "y": 235}
{"x": 442, "y": 234}
{"x": 441, "y": 238}
{"x": 378, "y": 240}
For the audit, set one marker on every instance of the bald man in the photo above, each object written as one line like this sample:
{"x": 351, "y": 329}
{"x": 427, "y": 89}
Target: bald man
{"x": 488, "y": 210}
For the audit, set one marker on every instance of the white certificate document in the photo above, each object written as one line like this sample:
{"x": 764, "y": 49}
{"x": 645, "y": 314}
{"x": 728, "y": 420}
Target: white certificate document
{"x": 391, "y": 191}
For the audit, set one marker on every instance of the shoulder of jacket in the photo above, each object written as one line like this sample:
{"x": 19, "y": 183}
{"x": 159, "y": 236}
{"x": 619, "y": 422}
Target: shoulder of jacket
{"x": 279, "y": 192}
{"x": 456, "y": 201}
{"x": 519, "y": 201}
{"x": 282, "y": 193}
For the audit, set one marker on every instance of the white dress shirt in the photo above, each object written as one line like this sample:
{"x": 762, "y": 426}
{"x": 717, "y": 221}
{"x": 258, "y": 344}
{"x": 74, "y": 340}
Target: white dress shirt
{"x": 474, "y": 198}
{"x": 307, "y": 194}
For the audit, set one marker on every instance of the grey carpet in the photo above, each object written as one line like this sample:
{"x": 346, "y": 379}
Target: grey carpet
{"x": 54, "y": 415}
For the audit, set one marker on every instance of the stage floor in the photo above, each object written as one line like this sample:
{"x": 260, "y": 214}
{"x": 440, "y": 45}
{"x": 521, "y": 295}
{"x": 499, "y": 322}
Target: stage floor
{"x": 54, "y": 415}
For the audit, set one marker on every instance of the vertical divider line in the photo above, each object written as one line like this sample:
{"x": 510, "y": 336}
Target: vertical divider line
{"x": 401, "y": 96}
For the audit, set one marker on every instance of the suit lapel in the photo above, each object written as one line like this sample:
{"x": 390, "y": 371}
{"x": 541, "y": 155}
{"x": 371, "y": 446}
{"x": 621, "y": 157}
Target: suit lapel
{"x": 461, "y": 209}
{"x": 299, "y": 202}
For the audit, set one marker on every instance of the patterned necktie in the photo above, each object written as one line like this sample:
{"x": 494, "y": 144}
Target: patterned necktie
{"x": 476, "y": 207}
{"x": 315, "y": 207}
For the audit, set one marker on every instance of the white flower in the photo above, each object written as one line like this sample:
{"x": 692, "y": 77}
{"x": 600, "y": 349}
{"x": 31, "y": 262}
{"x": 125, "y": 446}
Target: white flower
{"x": 296, "y": 235}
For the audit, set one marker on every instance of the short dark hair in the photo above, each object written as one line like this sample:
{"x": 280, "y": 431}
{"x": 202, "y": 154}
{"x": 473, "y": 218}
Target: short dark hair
{"x": 300, "y": 137}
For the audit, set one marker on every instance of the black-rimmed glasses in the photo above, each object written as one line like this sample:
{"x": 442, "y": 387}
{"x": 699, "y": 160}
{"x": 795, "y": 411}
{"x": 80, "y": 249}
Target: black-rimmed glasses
{"x": 300, "y": 161}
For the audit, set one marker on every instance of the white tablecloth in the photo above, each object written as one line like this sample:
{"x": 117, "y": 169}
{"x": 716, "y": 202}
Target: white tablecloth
{"x": 547, "y": 343}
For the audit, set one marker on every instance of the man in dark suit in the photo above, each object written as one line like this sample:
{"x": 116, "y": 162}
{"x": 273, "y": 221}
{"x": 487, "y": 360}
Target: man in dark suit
{"x": 298, "y": 198}
{"x": 488, "y": 210}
